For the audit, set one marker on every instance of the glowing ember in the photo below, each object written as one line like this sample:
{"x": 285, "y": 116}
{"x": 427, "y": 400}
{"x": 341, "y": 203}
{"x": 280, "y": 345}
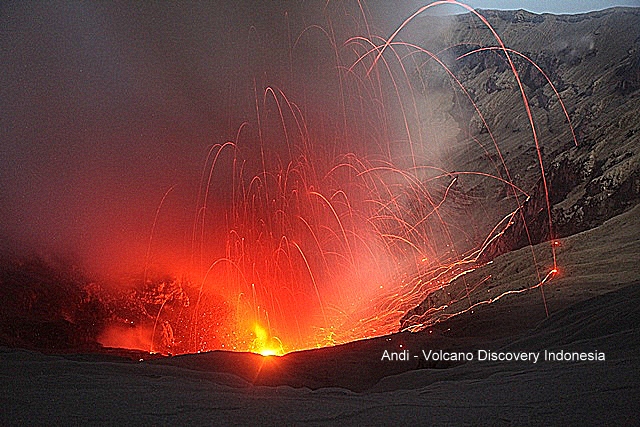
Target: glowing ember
{"x": 326, "y": 241}
{"x": 265, "y": 344}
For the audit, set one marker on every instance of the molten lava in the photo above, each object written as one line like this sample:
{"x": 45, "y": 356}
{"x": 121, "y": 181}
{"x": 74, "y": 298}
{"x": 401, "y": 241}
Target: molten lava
{"x": 324, "y": 241}
{"x": 265, "y": 344}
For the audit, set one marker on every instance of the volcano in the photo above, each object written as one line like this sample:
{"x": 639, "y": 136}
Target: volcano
{"x": 322, "y": 214}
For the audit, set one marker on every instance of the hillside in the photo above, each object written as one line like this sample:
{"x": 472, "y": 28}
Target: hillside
{"x": 591, "y": 62}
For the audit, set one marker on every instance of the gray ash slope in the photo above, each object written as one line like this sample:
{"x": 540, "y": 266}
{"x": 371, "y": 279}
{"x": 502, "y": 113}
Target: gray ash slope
{"x": 593, "y": 61}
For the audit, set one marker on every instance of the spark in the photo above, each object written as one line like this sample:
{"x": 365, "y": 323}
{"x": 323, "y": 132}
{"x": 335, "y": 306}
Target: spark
{"x": 320, "y": 242}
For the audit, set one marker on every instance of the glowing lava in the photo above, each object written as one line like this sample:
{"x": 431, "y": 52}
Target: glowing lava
{"x": 265, "y": 344}
{"x": 327, "y": 242}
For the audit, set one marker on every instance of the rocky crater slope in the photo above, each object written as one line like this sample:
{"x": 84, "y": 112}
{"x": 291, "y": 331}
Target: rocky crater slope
{"x": 592, "y": 61}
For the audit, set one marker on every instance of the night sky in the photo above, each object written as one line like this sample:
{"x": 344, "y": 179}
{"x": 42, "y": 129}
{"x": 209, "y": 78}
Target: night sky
{"x": 105, "y": 106}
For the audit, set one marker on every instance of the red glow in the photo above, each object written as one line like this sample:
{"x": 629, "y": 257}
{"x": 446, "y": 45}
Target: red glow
{"x": 134, "y": 337}
{"x": 308, "y": 246}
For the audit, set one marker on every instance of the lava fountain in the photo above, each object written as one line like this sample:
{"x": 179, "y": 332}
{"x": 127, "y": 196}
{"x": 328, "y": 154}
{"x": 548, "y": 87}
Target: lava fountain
{"x": 321, "y": 237}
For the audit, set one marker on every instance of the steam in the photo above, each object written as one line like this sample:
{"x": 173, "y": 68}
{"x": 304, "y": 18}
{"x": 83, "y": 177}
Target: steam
{"x": 105, "y": 108}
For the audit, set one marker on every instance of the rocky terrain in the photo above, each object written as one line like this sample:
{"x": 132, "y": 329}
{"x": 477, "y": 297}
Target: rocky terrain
{"x": 591, "y": 62}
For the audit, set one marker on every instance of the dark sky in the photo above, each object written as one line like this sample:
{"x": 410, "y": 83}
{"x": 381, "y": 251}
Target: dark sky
{"x": 107, "y": 105}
